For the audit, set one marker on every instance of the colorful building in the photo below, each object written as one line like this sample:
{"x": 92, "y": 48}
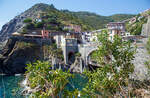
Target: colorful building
{"x": 116, "y": 28}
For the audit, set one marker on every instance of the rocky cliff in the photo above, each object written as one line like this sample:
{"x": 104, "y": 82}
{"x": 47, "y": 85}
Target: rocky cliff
{"x": 17, "y": 24}
{"x": 20, "y": 51}
{"x": 77, "y": 66}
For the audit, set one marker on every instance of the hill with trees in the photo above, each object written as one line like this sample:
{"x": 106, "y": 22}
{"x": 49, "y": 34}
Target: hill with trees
{"x": 56, "y": 19}
{"x": 135, "y": 24}
{"x": 95, "y": 21}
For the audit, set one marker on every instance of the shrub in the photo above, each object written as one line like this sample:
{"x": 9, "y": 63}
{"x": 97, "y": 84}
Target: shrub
{"x": 30, "y": 26}
{"x": 49, "y": 27}
{"x": 115, "y": 60}
{"x": 28, "y": 20}
{"x": 77, "y": 54}
{"x": 39, "y": 25}
{"x": 49, "y": 82}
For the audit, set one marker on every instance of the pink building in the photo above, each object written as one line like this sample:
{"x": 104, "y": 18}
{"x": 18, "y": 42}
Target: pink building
{"x": 45, "y": 33}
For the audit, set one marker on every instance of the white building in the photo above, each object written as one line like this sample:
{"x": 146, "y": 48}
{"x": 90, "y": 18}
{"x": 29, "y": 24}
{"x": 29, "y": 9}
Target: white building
{"x": 116, "y": 28}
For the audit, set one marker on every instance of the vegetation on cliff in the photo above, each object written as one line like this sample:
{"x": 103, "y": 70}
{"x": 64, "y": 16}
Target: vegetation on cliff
{"x": 88, "y": 21}
{"x": 95, "y": 21}
{"x": 51, "y": 51}
{"x": 20, "y": 51}
{"x": 134, "y": 25}
{"x": 121, "y": 17}
{"x": 16, "y": 54}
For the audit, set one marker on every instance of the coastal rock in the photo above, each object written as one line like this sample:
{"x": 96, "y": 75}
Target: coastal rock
{"x": 77, "y": 66}
{"x": 18, "y": 52}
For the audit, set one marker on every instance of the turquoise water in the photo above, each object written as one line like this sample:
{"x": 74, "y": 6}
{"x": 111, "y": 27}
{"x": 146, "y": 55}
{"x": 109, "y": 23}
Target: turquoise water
{"x": 77, "y": 82}
{"x": 10, "y": 87}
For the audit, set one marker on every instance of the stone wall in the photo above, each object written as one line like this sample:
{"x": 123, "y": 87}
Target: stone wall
{"x": 69, "y": 46}
{"x": 141, "y": 57}
{"x": 146, "y": 28}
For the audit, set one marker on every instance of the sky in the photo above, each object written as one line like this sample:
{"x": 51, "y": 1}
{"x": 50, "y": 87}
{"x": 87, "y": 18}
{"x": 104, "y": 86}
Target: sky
{"x": 11, "y": 8}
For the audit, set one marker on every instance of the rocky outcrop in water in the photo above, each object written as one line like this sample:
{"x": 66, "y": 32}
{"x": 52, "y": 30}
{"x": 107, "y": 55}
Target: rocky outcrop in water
{"x": 77, "y": 66}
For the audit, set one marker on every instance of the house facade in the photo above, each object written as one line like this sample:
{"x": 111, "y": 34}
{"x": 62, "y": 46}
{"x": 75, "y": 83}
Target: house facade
{"x": 116, "y": 28}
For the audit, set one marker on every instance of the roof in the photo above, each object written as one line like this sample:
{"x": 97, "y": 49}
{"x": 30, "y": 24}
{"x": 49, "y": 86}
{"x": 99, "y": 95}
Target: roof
{"x": 31, "y": 35}
{"x": 115, "y": 23}
{"x": 15, "y": 33}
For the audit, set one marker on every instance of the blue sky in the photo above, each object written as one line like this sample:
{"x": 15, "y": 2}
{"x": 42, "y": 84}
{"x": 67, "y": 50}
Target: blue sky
{"x": 10, "y": 8}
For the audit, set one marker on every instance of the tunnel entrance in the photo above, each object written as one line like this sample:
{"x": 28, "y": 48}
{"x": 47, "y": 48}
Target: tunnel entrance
{"x": 71, "y": 58}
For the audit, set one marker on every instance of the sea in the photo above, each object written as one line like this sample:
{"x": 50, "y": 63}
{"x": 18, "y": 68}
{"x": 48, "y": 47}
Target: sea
{"x": 10, "y": 86}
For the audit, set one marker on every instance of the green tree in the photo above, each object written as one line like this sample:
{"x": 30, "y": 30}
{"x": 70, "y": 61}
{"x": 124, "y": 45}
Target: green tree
{"x": 47, "y": 82}
{"x": 39, "y": 25}
{"x": 28, "y": 20}
{"x": 115, "y": 66}
{"x": 77, "y": 54}
{"x": 30, "y": 26}
{"x": 49, "y": 27}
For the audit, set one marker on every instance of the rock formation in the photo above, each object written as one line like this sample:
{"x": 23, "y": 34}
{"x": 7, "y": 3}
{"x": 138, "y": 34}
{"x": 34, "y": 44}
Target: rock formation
{"x": 18, "y": 52}
{"x": 77, "y": 66}
{"x": 17, "y": 24}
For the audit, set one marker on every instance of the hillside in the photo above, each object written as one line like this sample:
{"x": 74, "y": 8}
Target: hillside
{"x": 121, "y": 17}
{"x": 57, "y": 18}
{"x": 96, "y": 21}
{"x": 93, "y": 20}
{"x": 135, "y": 24}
